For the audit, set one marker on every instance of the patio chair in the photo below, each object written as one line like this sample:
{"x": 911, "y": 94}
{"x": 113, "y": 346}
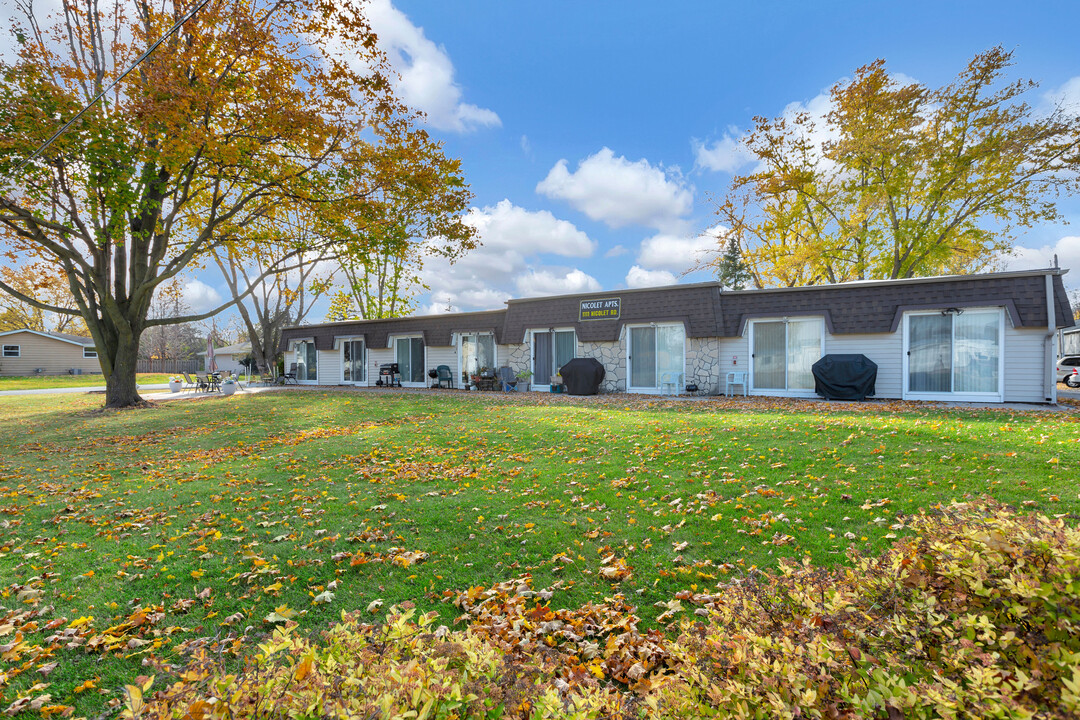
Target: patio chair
{"x": 188, "y": 383}
{"x": 202, "y": 382}
{"x": 670, "y": 383}
{"x": 735, "y": 379}
{"x": 507, "y": 379}
{"x": 290, "y": 377}
{"x": 444, "y": 375}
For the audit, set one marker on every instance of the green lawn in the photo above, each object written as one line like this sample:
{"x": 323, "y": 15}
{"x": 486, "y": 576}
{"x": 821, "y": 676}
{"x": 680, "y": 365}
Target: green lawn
{"x": 134, "y": 532}
{"x": 44, "y": 382}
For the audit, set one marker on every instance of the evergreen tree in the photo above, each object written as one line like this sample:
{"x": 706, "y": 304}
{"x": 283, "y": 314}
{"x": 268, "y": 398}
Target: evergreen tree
{"x": 731, "y": 270}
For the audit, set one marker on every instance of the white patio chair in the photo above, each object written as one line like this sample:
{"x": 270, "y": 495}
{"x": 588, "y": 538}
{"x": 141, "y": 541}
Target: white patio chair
{"x": 734, "y": 379}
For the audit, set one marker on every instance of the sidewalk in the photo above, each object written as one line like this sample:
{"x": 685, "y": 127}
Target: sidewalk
{"x": 92, "y": 389}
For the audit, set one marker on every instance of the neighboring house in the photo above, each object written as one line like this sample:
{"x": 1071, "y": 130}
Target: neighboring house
{"x": 228, "y": 357}
{"x": 988, "y": 338}
{"x": 1070, "y": 342}
{"x": 31, "y": 352}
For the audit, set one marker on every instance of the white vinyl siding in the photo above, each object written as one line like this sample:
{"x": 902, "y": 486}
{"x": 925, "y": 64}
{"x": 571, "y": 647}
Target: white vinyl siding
{"x": 885, "y": 349}
{"x": 51, "y": 356}
{"x": 375, "y": 358}
{"x": 443, "y": 355}
{"x": 329, "y": 367}
{"x": 1025, "y": 364}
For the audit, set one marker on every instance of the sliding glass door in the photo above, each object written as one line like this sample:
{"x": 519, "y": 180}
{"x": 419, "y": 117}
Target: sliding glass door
{"x": 551, "y": 350}
{"x": 955, "y": 353}
{"x": 307, "y": 361}
{"x": 353, "y": 361}
{"x": 653, "y": 352}
{"x": 477, "y": 353}
{"x": 409, "y": 355}
{"x": 783, "y": 353}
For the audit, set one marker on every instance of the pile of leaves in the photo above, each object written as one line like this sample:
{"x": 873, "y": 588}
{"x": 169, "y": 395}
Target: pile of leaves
{"x": 977, "y": 615}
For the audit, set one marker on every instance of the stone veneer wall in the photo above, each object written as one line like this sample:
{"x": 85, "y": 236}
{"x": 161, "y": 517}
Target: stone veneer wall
{"x": 612, "y": 355}
{"x": 517, "y": 357}
{"x": 703, "y": 365}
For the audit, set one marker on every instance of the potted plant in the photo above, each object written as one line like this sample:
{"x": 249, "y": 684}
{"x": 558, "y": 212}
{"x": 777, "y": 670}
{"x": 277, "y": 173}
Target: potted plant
{"x": 523, "y": 379}
{"x": 175, "y": 384}
{"x": 228, "y": 386}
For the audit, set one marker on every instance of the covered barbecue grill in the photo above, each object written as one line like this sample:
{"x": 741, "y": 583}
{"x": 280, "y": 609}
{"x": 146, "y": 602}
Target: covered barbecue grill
{"x": 844, "y": 377}
{"x": 582, "y": 376}
{"x": 389, "y": 375}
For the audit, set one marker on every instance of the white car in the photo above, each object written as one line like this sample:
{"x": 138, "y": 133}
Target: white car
{"x": 1068, "y": 369}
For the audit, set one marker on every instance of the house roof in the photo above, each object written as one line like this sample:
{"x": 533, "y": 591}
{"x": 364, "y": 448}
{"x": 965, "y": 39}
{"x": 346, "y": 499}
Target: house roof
{"x": 706, "y": 310}
{"x": 243, "y": 347}
{"x": 62, "y": 337}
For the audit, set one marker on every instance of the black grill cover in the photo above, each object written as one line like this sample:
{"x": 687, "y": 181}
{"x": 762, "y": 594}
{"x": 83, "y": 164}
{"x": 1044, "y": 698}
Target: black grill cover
{"x": 845, "y": 377}
{"x": 582, "y": 376}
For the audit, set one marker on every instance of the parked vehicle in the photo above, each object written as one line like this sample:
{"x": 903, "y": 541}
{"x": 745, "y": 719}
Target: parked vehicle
{"x": 1066, "y": 370}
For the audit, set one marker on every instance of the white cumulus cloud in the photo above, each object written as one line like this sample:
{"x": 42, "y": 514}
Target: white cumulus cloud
{"x": 727, "y": 154}
{"x": 1067, "y": 97}
{"x": 511, "y": 260}
{"x": 621, "y": 192}
{"x": 427, "y": 73}
{"x": 675, "y": 253}
{"x": 1067, "y": 250}
{"x": 639, "y": 277}
{"x": 200, "y": 297}
{"x": 553, "y": 282}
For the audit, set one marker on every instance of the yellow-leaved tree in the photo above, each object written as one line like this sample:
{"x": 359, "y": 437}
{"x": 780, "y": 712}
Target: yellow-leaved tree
{"x": 899, "y": 180}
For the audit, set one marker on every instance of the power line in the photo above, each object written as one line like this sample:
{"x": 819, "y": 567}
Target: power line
{"x": 69, "y": 123}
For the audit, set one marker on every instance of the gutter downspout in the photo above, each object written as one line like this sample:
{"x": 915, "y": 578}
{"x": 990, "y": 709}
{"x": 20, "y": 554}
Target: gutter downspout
{"x": 1049, "y": 371}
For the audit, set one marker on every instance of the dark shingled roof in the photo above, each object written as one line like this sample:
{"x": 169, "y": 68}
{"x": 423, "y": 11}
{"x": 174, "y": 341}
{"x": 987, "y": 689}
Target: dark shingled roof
{"x": 435, "y": 329}
{"x": 696, "y": 306}
{"x": 876, "y": 307}
{"x": 705, "y": 311}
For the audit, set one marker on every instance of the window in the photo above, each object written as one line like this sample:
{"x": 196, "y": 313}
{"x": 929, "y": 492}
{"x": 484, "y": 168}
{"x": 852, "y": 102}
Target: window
{"x": 409, "y": 352}
{"x": 12, "y": 351}
{"x": 653, "y": 351}
{"x": 307, "y": 362}
{"x": 477, "y": 352}
{"x": 88, "y": 352}
{"x": 551, "y": 350}
{"x": 353, "y": 361}
{"x": 954, "y": 352}
{"x": 783, "y": 352}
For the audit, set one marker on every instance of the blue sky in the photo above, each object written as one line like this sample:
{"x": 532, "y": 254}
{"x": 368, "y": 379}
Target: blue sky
{"x": 594, "y": 134}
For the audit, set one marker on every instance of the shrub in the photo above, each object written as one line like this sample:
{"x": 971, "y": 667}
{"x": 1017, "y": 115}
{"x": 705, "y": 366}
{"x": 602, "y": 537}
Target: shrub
{"x": 976, "y": 615}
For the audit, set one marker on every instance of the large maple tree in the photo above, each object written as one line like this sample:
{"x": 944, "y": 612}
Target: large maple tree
{"x": 247, "y": 107}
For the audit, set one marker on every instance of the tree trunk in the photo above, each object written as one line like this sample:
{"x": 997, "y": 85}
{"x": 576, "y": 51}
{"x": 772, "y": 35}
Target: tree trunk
{"x": 121, "y": 389}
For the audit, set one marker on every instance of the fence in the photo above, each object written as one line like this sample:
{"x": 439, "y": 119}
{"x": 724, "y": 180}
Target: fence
{"x": 167, "y": 367}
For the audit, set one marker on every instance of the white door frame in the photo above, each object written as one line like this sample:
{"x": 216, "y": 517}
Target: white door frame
{"x": 459, "y": 344}
{"x": 341, "y": 360}
{"x": 651, "y": 390}
{"x": 544, "y": 386}
{"x": 998, "y": 396}
{"x": 423, "y": 369}
{"x": 306, "y": 341}
{"x": 780, "y": 392}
